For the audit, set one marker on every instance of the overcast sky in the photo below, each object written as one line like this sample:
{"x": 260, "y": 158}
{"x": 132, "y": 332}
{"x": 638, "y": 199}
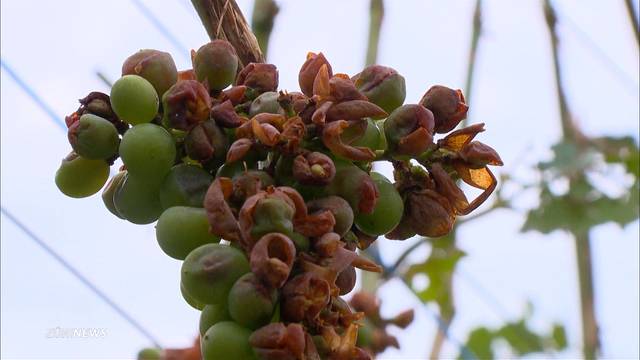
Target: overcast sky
{"x": 56, "y": 47}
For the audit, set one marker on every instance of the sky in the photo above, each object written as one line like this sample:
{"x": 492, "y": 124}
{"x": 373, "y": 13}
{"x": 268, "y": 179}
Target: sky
{"x": 57, "y": 47}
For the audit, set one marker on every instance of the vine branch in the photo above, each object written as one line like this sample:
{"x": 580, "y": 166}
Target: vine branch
{"x": 223, "y": 20}
{"x": 590, "y": 342}
{"x": 375, "y": 24}
{"x": 633, "y": 19}
{"x": 473, "y": 50}
{"x": 262, "y": 19}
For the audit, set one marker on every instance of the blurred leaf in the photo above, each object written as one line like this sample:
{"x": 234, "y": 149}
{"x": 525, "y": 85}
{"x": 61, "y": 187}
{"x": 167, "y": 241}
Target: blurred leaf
{"x": 520, "y": 338}
{"x": 438, "y": 268}
{"x": 479, "y": 343}
{"x": 622, "y": 150}
{"x": 559, "y": 336}
{"x": 567, "y": 159}
{"x": 584, "y": 206}
{"x": 575, "y": 212}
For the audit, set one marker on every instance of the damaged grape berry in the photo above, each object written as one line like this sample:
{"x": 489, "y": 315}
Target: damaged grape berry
{"x": 267, "y": 196}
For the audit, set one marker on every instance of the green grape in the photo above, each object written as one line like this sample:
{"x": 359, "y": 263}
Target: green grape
{"x": 109, "y": 191}
{"x": 348, "y": 184}
{"x": 211, "y": 315}
{"x": 272, "y": 215}
{"x": 137, "y": 200}
{"x": 388, "y": 210}
{"x": 230, "y": 170}
{"x": 372, "y": 137}
{"x": 184, "y": 185}
{"x": 181, "y": 229}
{"x": 227, "y": 340}
{"x": 382, "y": 145}
{"x": 148, "y": 150}
{"x": 134, "y": 99}
{"x": 266, "y": 103}
{"x": 150, "y": 354}
{"x": 189, "y": 299}
{"x": 251, "y": 304}
{"x": 383, "y": 86}
{"x": 78, "y": 177}
{"x": 93, "y": 137}
{"x": 209, "y": 272}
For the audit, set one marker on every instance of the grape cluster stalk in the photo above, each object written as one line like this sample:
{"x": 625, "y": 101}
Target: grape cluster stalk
{"x": 266, "y": 195}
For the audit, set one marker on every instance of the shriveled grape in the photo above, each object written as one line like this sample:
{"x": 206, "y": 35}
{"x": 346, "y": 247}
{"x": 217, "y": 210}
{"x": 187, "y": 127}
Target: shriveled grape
{"x": 251, "y": 303}
{"x": 209, "y": 272}
{"x": 184, "y": 185}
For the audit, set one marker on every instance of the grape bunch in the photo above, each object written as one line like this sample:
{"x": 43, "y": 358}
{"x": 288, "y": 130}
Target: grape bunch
{"x": 266, "y": 195}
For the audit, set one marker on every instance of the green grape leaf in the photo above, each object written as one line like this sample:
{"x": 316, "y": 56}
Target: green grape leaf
{"x": 559, "y": 336}
{"x": 519, "y": 336}
{"x": 521, "y": 339}
{"x": 568, "y": 159}
{"x": 575, "y": 212}
{"x": 479, "y": 343}
{"x": 438, "y": 267}
{"x": 622, "y": 150}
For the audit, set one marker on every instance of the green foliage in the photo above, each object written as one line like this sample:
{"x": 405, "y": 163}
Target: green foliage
{"x": 480, "y": 341}
{"x": 521, "y": 339}
{"x": 584, "y": 205}
{"x": 438, "y": 267}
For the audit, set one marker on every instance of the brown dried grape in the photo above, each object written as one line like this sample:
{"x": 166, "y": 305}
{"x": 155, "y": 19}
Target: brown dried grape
{"x": 314, "y": 168}
{"x": 259, "y": 76}
{"x": 346, "y": 280}
{"x": 278, "y": 341}
{"x": 309, "y": 70}
{"x": 478, "y": 155}
{"x": 340, "y": 209}
{"x": 430, "y": 213}
{"x": 409, "y": 130}
{"x": 185, "y": 104}
{"x": 448, "y": 107}
{"x": 216, "y": 64}
{"x": 207, "y": 142}
{"x": 272, "y": 258}
{"x": 155, "y": 66}
{"x": 303, "y": 297}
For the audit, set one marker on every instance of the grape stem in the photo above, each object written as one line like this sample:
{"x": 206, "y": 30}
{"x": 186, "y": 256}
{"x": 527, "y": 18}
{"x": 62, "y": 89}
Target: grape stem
{"x": 222, "y": 19}
{"x": 262, "y": 19}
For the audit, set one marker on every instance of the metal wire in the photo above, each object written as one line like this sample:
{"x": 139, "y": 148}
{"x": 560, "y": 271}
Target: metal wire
{"x": 80, "y": 277}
